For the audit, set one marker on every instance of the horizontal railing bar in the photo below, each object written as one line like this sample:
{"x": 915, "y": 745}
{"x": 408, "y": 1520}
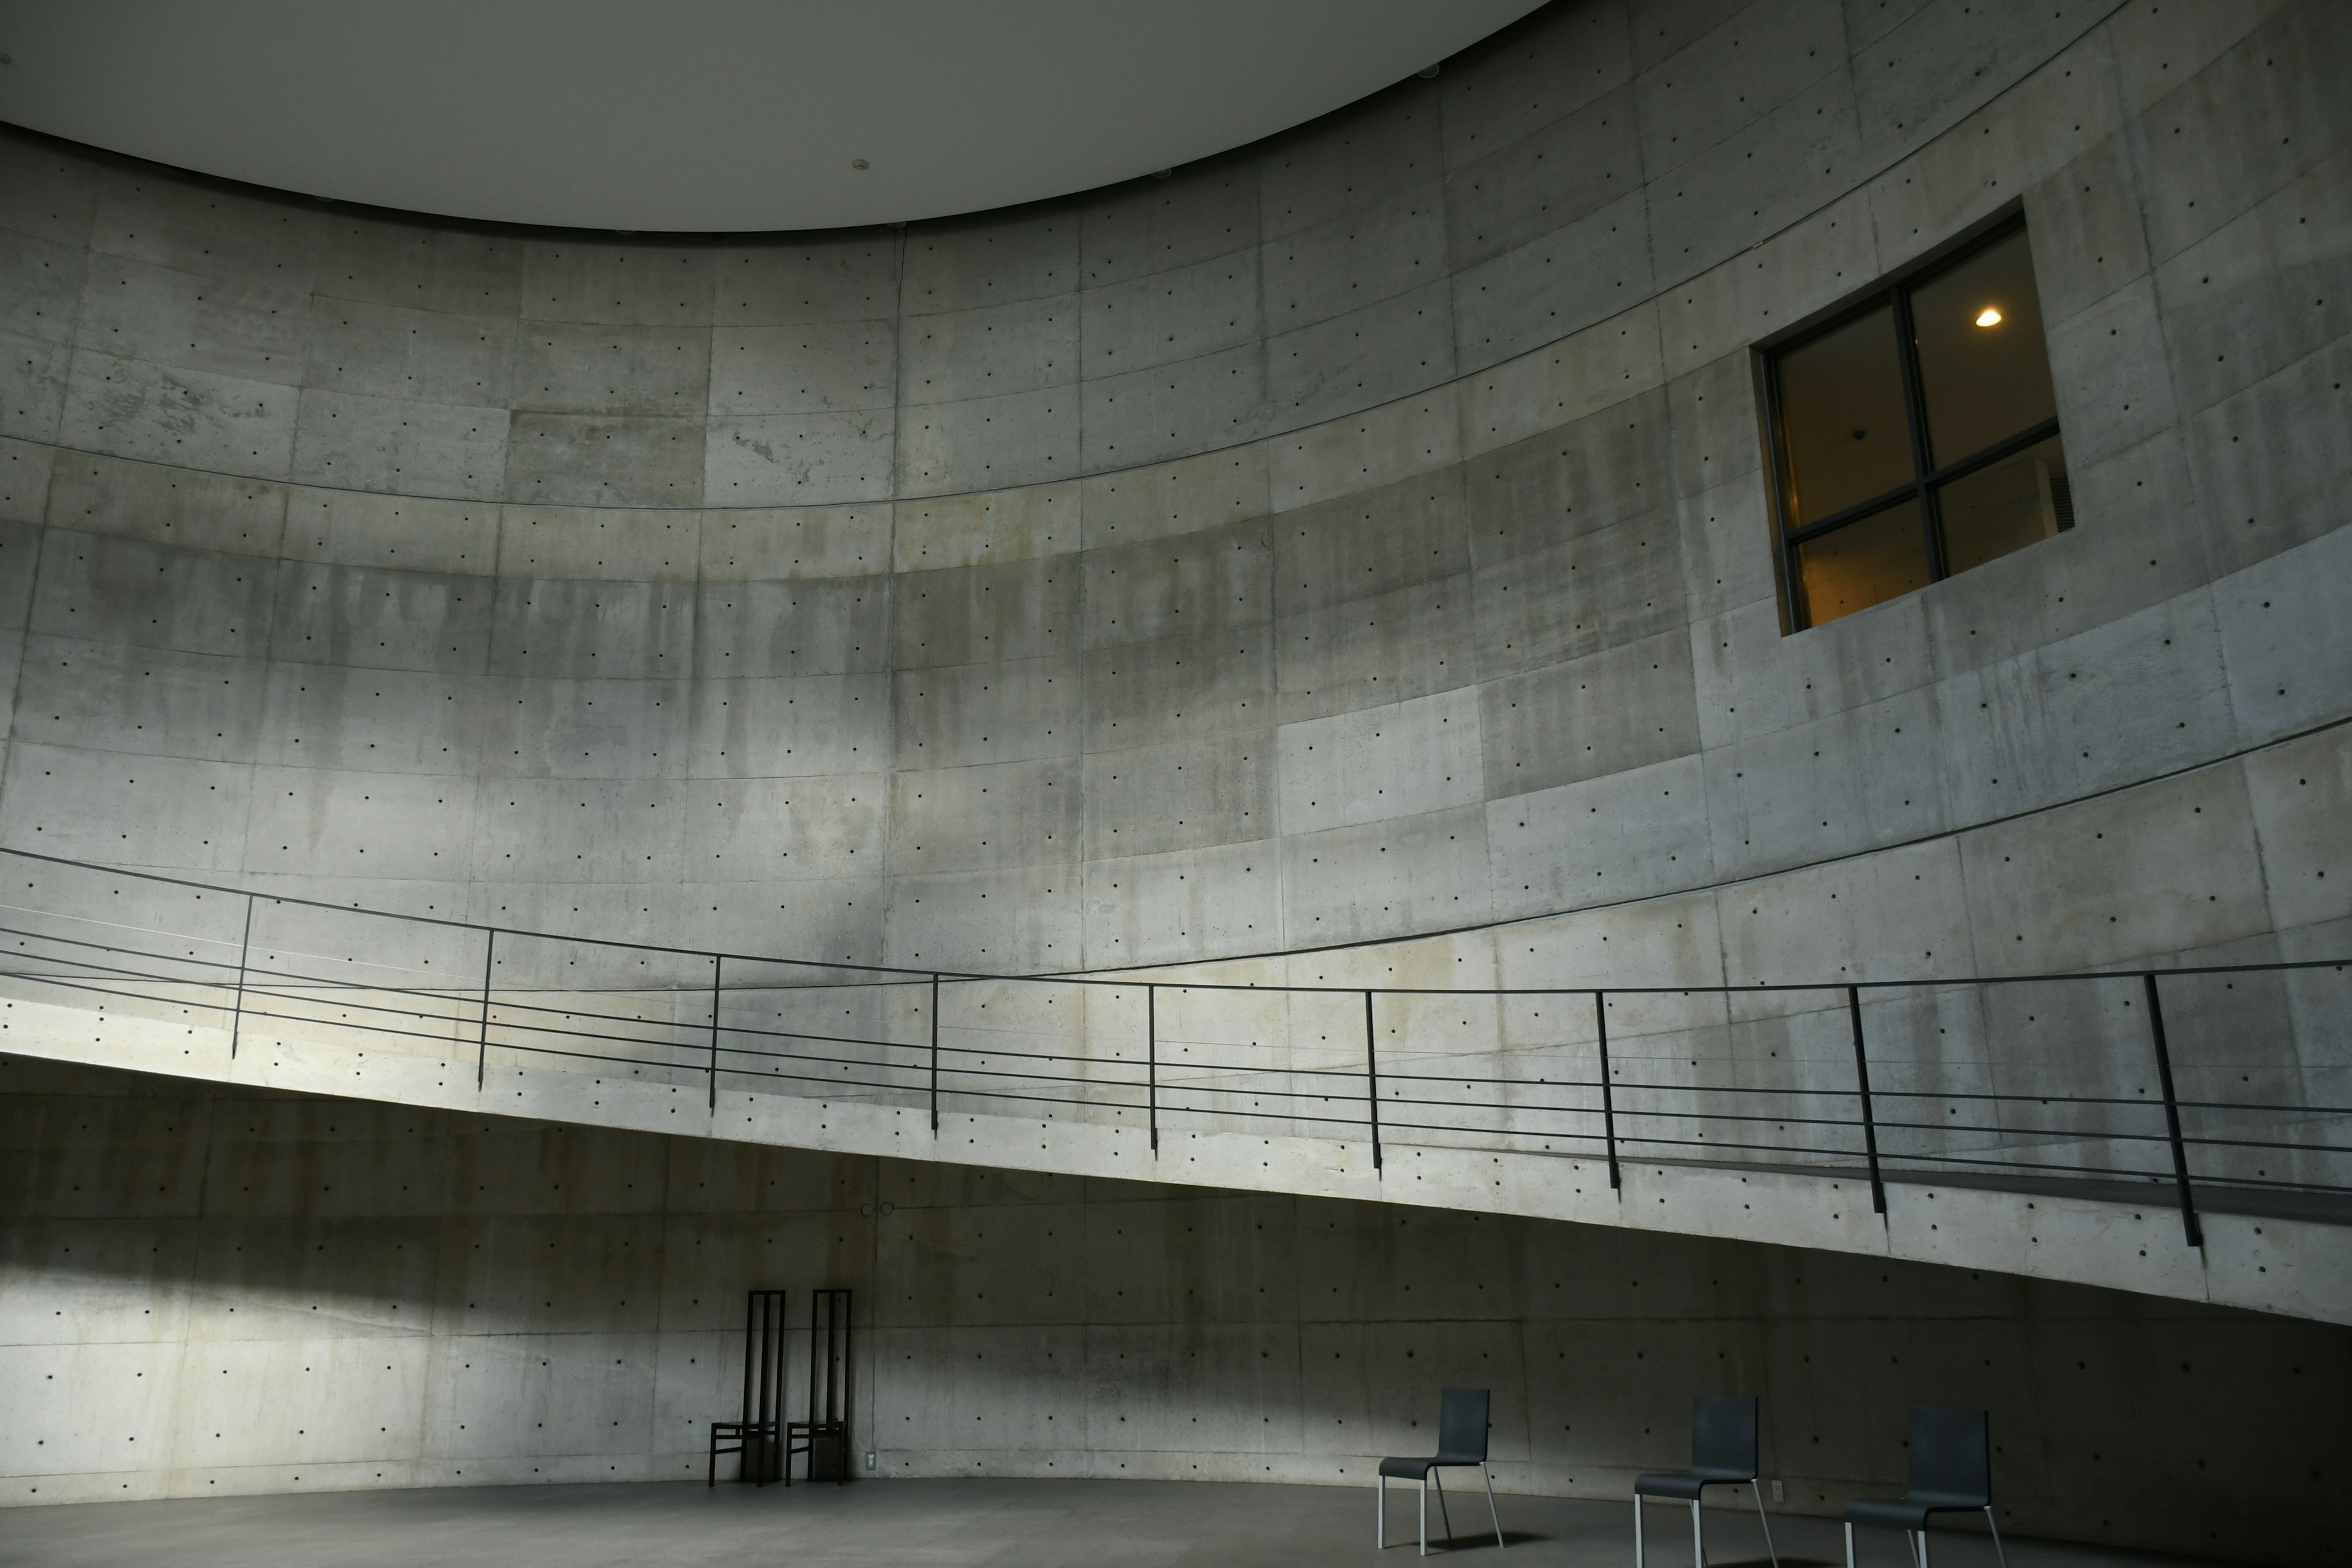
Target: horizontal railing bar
{"x": 1941, "y": 1128}
{"x": 1353, "y": 1121}
{"x": 2329, "y": 1148}
{"x": 1624, "y": 1139}
{"x": 675, "y": 1018}
{"x": 946, "y": 1090}
{"x": 2023, "y": 1164}
{"x": 1050, "y": 1078}
{"x": 2273, "y": 1109}
{"x": 83, "y": 967}
{"x": 910, "y": 977}
{"x": 55, "y": 939}
{"x": 825, "y": 1082}
{"x": 1520, "y": 1108}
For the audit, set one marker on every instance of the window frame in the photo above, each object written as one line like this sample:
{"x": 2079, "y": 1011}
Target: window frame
{"x": 1922, "y": 488}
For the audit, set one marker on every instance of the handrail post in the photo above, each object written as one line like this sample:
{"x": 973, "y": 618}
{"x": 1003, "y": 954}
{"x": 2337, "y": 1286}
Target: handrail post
{"x": 243, "y": 952}
{"x": 1372, "y": 1080}
{"x": 1608, "y": 1105}
{"x": 1151, "y": 1060}
{"x": 482, "y": 1043}
{"x": 2188, "y": 1221}
{"x": 1862, "y": 1078}
{"x": 935, "y": 1055}
{"x": 717, "y": 964}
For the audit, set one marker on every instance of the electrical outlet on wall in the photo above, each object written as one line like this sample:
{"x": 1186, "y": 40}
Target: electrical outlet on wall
{"x": 1777, "y": 1495}
{"x": 869, "y": 1465}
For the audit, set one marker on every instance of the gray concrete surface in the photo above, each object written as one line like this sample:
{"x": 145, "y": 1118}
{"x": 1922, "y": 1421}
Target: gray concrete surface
{"x": 2021, "y": 1129}
{"x": 1146, "y": 581}
{"x": 573, "y": 585}
{"x": 215, "y": 1292}
{"x": 944, "y": 1522}
{"x": 1341, "y": 684}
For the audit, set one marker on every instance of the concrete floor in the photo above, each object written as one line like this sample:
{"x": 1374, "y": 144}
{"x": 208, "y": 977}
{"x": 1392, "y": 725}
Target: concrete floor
{"x": 934, "y": 1523}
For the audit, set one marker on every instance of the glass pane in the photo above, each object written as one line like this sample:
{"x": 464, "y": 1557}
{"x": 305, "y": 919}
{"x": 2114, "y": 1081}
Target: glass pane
{"x": 1864, "y": 563}
{"x": 1842, "y": 415}
{"x": 2006, "y": 506}
{"x": 1982, "y": 365}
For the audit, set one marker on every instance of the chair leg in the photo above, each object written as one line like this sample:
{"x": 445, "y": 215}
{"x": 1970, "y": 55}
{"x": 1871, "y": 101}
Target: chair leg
{"x": 1380, "y": 1529}
{"x": 1769, "y": 1549}
{"x": 1637, "y": 1531}
{"x": 1497, "y": 1518}
{"x": 1425, "y": 1514}
{"x": 1699, "y": 1537}
{"x": 1443, "y": 1511}
{"x": 1998, "y": 1549}
{"x": 1849, "y": 1543}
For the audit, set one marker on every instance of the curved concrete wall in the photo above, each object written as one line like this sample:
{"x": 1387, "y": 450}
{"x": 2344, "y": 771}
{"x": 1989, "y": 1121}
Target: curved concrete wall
{"x": 1557, "y": 176}
{"x": 1359, "y": 537}
{"x": 208, "y": 1291}
{"x": 1351, "y": 541}
{"x": 613, "y": 587}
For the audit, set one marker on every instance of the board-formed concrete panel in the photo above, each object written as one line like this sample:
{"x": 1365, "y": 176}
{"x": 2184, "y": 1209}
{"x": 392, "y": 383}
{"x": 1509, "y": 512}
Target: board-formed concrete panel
{"x": 276, "y": 1292}
{"x": 1359, "y": 539}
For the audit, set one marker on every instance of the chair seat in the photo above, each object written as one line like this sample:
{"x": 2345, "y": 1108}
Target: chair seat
{"x": 1684, "y": 1486}
{"x": 1908, "y": 1513}
{"x": 1414, "y": 1469}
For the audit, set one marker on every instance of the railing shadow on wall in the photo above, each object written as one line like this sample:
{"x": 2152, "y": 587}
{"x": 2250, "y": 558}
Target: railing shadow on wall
{"x": 2221, "y": 1085}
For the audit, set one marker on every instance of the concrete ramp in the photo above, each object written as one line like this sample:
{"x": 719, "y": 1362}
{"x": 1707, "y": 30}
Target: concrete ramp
{"x": 2053, "y": 1127}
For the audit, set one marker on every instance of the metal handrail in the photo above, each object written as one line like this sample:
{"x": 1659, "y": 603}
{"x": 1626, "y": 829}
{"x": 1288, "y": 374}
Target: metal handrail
{"x": 678, "y": 1025}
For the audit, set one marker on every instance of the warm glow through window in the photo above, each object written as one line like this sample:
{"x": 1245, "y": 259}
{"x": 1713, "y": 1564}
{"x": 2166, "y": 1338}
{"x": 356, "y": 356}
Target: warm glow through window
{"x": 1911, "y": 441}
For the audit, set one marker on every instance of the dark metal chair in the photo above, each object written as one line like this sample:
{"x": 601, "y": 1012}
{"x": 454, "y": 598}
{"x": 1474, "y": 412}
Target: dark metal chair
{"x": 756, "y": 1435}
{"x": 825, "y": 1436}
{"x": 1460, "y": 1443}
{"x": 1723, "y": 1454}
{"x": 1951, "y": 1472}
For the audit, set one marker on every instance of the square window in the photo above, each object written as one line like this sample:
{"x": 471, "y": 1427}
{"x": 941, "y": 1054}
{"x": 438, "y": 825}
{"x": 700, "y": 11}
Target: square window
{"x": 1916, "y": 436}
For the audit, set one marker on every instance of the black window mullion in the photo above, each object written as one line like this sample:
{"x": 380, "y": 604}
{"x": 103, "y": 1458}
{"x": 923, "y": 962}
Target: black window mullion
{"x": 1784, "y": 471}
{"x": 1786, "y": 475}
{"x": 1914, "y": 398}
{"x": 1855, "y": 512}
{"x": 2006, "y": 447}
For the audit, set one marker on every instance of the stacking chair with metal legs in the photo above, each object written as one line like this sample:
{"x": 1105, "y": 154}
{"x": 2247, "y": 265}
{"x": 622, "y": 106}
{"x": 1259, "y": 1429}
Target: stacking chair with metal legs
{"x": 1951, "y": 1472}
{"x": 1460, "y": 1442}
{"x": 1723, "y": 1453}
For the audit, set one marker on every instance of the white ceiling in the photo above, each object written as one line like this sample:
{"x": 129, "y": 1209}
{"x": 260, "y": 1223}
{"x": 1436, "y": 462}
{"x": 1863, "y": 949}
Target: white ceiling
{"x": 703, "y": 114}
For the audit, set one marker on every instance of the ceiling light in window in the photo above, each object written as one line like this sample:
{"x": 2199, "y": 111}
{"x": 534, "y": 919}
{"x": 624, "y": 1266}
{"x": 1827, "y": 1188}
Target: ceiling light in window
{"x": 1989, "y": 317}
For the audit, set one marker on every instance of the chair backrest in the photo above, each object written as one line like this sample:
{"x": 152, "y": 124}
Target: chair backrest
{"x": 1723, "y": 1433}
{"x": 1462, "y": 1425}
{"x": 1951, "y": 1453}
{"x": 763, "y": 1357}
